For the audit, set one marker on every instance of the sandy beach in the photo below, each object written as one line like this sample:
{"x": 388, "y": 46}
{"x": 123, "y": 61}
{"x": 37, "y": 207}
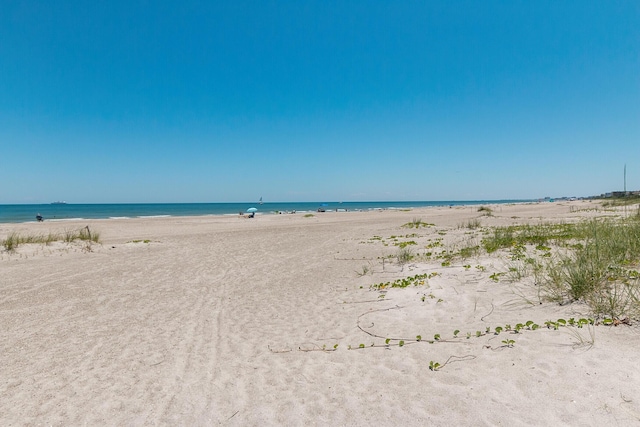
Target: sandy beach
{"x": 222, "y": 320}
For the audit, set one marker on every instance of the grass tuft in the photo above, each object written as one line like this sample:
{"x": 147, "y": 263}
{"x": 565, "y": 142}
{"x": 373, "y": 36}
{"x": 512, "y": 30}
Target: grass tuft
{"x": 487, "y": 211}
{"x": 417, "y": 223}
{"x": 83, "y": 234}
{"x": 405, "y": 255}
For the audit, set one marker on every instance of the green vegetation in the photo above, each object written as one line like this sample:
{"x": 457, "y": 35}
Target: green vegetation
{"x": 83, "y": 234}
{"x": 394, "y": 240}
{"x": 15, "y": 239}
{"x": 405, "y": 255}
{"x": 596, "y": 261}
{"x": 366, "y": 269}
{"x": 572, "y": 325}
{"x": 631, "y": 199}
{"x": 417, "y": 280}
{"x": 434, "y": 244}
{"x": 487, "y": 211}
{"x": 473, "y": 224}
{"x": 417, "y": 223}
{"x": 543, "y": 234}
{"x": 460, "y": 251}
{"x": 598, "y": 264}
{"x": 405, "y": 244}
{"x": 602, "y": 271}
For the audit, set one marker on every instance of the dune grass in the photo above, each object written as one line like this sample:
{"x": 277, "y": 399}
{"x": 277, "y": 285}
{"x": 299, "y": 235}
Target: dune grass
{"x": 599, "y": 263}
{"x": 541, "y": 234}
{"x": 487, "y": 211}
{"x": 621, "y": 201}
{"x": 16, "y": 239}
{"x": 417, "y": 223}
{"x": 473, "y": 224}
{"x": 405, "y": 255}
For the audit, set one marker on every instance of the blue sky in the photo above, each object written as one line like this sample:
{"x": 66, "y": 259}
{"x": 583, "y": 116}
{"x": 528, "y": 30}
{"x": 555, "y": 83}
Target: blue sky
{"x": 203, "y": 101}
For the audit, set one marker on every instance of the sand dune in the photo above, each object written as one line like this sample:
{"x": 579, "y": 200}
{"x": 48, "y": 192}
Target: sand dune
{"x": 233, "y": 321}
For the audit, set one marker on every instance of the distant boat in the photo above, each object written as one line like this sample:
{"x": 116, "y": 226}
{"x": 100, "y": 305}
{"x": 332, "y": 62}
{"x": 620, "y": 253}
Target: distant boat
{"x": 59, "y": 202}
{"x": 260, "y": 201}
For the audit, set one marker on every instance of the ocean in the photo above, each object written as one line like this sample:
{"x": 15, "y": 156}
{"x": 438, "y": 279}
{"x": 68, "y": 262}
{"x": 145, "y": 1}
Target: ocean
{"x": 61, "y": 212}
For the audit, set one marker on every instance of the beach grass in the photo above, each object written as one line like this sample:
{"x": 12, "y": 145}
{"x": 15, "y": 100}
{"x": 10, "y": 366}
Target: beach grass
{"x": 405, "y": 255}
{"x": 473, "y": 224}
{"x": 621, "y": 201}
{"x": 487, "y": 211}
{"x": 598, "y": 263}
{"x": 417, "y": 223}
{"x": 16, "y": 239}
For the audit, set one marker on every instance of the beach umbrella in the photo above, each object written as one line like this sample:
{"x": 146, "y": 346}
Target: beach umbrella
{"x": 252, "y": 210}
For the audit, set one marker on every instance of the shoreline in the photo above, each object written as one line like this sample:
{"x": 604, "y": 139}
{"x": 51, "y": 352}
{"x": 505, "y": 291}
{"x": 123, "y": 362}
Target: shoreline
{"x": 240, "y": 215}
{"x": 26, "y": 213}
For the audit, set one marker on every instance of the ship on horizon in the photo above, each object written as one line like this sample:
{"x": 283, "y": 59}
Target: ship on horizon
{"x": 59, "y": 202}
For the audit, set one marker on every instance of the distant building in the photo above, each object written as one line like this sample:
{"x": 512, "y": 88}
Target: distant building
{"x": 622, "y": 194}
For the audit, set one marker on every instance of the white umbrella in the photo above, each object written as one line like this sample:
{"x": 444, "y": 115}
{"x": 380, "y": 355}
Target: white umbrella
{"x": 252, "y": 210}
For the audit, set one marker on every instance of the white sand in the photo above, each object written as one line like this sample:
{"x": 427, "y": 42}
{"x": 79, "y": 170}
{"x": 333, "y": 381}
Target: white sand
{"x": 206, "y": 323}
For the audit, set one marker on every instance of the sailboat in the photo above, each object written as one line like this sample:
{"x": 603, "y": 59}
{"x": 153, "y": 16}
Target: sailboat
{"x": 260, "y": 201}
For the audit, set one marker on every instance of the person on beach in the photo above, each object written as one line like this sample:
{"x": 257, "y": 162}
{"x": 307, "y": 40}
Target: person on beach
{"x": 39, "y": 218}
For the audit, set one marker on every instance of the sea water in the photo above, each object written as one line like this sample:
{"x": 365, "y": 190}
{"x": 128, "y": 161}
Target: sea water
{"x": 61, "y": 212}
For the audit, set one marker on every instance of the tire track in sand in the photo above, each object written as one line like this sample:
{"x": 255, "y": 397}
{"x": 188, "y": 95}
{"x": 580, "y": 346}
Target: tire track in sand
{"x": 196, "y": 366}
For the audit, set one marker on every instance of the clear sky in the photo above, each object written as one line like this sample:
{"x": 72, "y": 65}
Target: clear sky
{"x": 224, "y": 101}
